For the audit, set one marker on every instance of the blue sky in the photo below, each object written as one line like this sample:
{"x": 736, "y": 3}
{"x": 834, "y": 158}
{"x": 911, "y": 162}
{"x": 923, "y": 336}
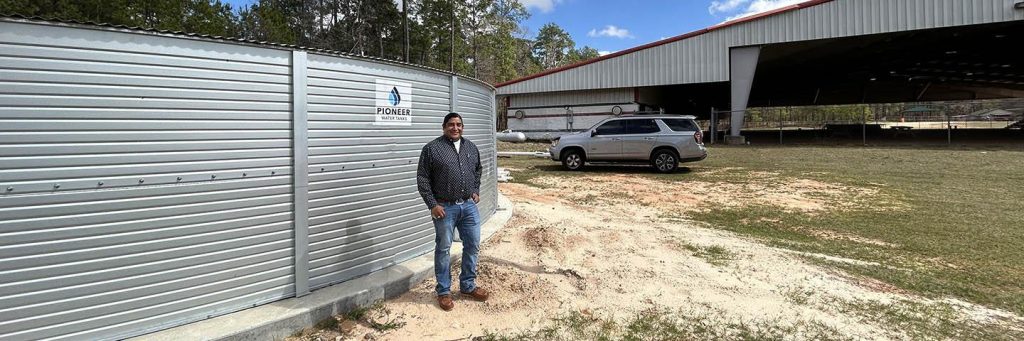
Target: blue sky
{"x": 610, "y": 25}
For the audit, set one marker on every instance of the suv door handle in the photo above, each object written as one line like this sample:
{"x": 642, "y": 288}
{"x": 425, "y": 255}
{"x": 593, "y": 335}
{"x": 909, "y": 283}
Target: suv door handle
{"x": 649, "y": 138}
{"x": 617, "y": 139}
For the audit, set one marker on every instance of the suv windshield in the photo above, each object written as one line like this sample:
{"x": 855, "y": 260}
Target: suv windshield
{"x": 681, "y": 124}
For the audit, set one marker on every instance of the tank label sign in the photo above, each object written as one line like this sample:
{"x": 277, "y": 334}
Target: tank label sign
{"x": 394, "y": 103}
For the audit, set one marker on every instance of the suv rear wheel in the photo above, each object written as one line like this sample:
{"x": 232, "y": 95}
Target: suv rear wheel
{"x": 665, "y": 160}
{"x": 573, "y": 159}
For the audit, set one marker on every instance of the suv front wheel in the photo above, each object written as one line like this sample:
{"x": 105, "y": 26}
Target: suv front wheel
{"x": 573, "y": 159}
{"x": 665, "y": 161}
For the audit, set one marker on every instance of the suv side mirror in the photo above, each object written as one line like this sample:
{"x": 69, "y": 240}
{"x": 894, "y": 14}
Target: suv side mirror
{"x": 593, "y": 133}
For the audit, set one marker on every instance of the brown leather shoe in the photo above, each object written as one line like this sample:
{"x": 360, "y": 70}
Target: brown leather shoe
{"x": 478, "y": 294}
{"x": 445, "y": 301}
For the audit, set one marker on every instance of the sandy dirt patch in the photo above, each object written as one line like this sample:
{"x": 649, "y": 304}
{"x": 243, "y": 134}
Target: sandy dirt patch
{"x": 764, "y": 188}
{"x": 583, "y": 246}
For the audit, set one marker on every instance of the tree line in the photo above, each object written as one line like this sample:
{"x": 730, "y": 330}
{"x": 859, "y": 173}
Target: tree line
{"x": 484, "y": 39}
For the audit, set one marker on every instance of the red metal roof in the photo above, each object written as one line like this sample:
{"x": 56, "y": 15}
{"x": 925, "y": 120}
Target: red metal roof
{"x": 670, "y": 40}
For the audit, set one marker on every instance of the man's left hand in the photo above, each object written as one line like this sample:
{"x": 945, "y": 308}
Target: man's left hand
{"x": 476, "y": 198}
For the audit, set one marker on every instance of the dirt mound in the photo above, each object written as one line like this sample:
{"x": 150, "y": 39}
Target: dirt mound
{"x": 542, "y": 238}
{"x": 512, "y": 288}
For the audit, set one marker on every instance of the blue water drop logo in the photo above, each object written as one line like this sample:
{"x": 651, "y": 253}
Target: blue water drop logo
{"x": 394, "y": 97}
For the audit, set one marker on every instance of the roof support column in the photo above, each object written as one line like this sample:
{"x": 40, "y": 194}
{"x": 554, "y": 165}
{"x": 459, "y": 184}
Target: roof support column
{"x": 742, "y": 65}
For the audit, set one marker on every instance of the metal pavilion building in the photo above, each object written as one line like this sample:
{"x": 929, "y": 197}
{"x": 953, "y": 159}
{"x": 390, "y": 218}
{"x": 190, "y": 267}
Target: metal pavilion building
{"x": 819, "y": 52}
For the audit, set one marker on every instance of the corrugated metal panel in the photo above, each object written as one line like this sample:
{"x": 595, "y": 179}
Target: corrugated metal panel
{"x": 704, "y": 58}
{"x": 563, "y": 98}
{"x": 364, "y": 206}
{"x": 475, "y": 103}
{"x": 149, "y": 181}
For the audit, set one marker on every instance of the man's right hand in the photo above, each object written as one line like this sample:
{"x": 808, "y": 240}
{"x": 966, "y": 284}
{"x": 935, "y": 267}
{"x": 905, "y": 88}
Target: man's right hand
{"x": 437, "y": 212}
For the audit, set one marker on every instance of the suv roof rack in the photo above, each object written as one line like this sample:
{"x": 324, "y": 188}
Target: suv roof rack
{"x": 656, "y": 113}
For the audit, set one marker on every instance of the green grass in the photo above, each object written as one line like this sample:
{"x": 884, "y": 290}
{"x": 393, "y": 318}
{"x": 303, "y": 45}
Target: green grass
{"x": 959, "y": 235}
{"x": 377, "y": 316}
{"x": 586, "y": 200}
{"x": 714, "y": 254}
{"x": 666, "y": 324}
{"x": 329, "y": 323}
{"x": 924, "y": 321}
{"x": 359, "y": 313}
{"x": 954, "y": 217}
{"x": 799, "y": 296}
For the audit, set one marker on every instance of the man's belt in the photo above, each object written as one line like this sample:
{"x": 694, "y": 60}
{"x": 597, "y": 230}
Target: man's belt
{"x": 456, "y": 202}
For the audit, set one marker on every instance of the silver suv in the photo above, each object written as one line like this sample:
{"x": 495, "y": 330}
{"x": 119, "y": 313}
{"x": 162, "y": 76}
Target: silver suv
{"x": 662, "y": 140}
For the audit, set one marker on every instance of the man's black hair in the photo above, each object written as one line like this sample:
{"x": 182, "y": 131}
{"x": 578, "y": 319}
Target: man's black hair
{"x": 449, "y": 117}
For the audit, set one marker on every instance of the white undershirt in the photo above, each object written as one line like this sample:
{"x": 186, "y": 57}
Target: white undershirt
{"x": 457, "y": 145}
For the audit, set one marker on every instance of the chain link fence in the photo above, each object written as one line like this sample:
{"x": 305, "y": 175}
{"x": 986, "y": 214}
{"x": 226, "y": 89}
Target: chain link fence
{"x": 926, "y": 122}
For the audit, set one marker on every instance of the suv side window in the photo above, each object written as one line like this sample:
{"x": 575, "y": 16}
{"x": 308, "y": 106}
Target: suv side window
{"x": 616, "y": 127}
{"x": 644, "y": 126}
{"x": 681, "y": 125}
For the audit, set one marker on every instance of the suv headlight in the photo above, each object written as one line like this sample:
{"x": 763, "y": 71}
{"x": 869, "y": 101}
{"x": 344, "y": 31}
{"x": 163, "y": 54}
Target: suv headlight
{"x": 554, "y": 143}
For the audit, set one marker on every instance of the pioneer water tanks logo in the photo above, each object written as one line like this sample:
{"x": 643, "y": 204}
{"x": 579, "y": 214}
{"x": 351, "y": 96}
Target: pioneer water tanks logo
{"x": 394, "y": 103}
{"x": 394, "y": 97}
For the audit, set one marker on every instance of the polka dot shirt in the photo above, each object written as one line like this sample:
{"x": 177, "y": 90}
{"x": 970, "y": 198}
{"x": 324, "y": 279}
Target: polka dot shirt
{"x": 446, "y": 174}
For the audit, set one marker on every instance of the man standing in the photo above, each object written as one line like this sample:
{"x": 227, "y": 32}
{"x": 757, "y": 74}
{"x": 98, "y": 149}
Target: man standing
{"x": 448, "y": 178}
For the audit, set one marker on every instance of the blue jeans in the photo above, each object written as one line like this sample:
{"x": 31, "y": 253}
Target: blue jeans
{"x": 466, "y": 218}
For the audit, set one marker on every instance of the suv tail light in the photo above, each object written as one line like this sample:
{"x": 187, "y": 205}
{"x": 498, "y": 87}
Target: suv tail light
{"x": 698, "y": 137}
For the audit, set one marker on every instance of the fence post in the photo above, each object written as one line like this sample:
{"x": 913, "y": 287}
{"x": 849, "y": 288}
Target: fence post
{"x": 713, "y": 127}
{"x": 949, "y": 129}
{"x": 300, "y": 172}
{"x": 864, "y": 126}
{"x": 780, "y": 125}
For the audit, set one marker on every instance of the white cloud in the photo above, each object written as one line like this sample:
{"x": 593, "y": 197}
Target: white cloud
{"x": 725, "y": 6}
{"x": 610, "y": 31}
{"x": 544, "y": 6}
{"x": 601, "y": 53}
{"x": 749, "y": 7}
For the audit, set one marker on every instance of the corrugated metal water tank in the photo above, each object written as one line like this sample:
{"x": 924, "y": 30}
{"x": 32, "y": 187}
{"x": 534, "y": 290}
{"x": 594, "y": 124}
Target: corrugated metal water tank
{"x": 148, "y": 180}
{"x": 476, "y": 104}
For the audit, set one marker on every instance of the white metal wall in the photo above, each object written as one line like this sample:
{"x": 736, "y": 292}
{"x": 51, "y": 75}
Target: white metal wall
{"x": 705, "y": 57}
{"x": 146, "y": 179}
{"x": 550, "y": 122}
{"x": 547, "y": 99}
